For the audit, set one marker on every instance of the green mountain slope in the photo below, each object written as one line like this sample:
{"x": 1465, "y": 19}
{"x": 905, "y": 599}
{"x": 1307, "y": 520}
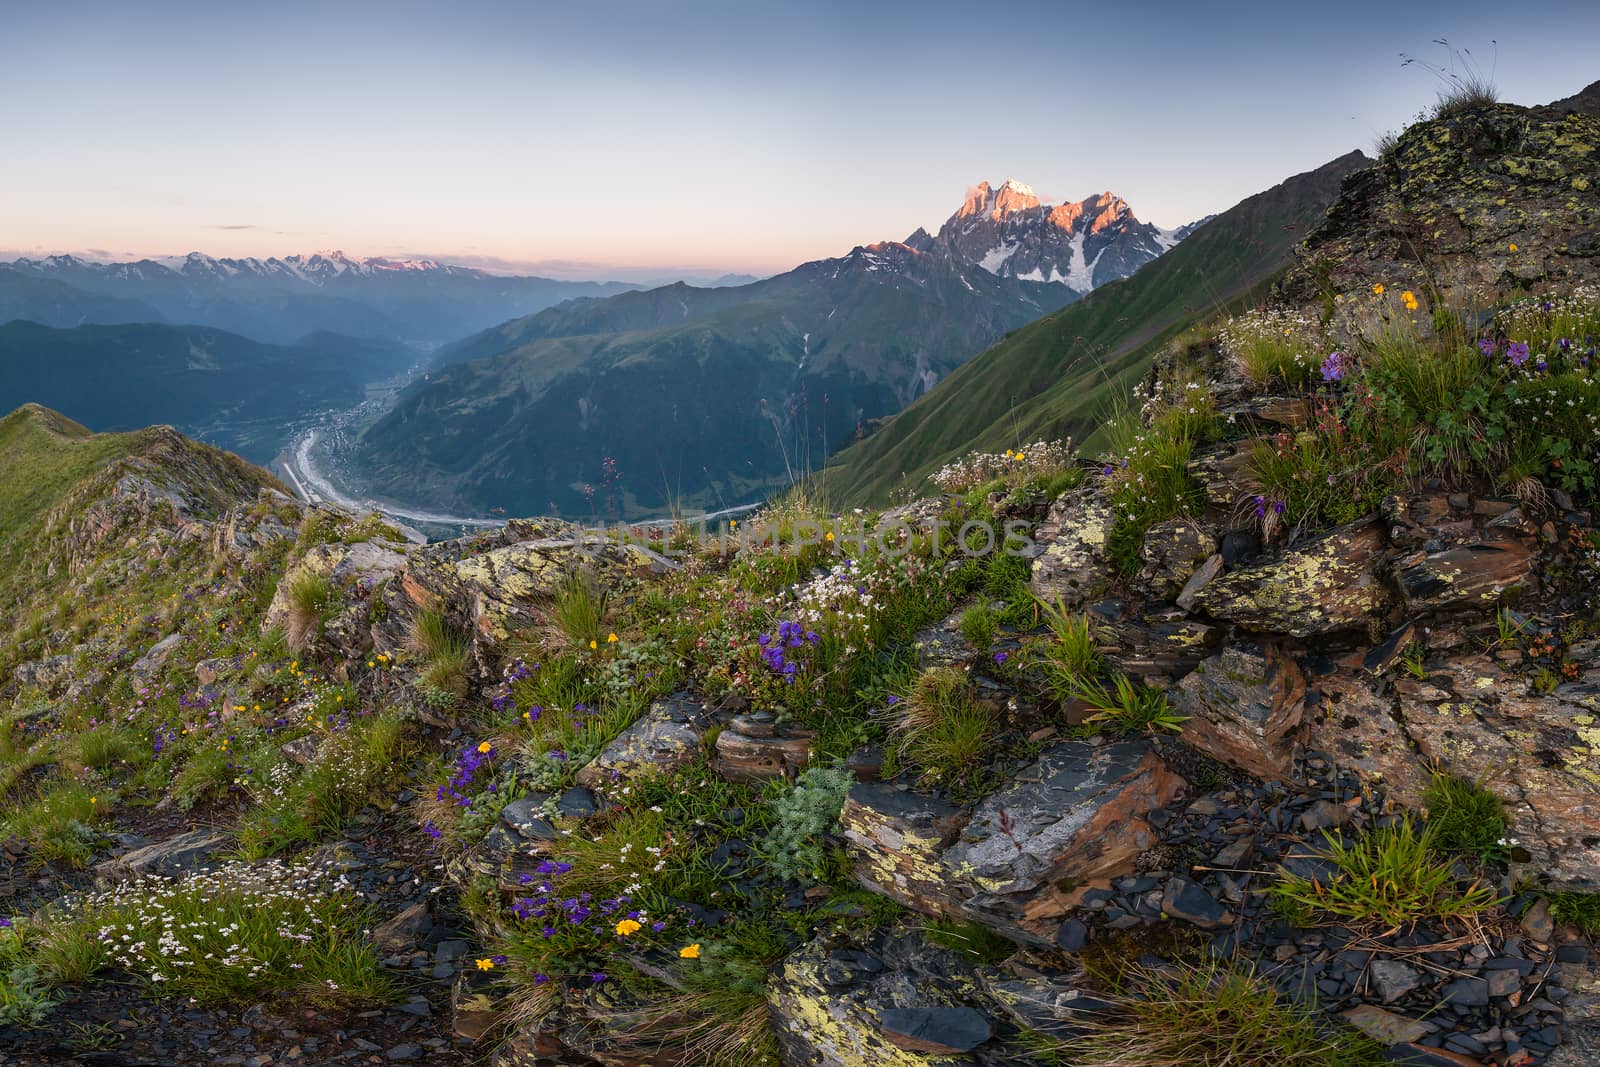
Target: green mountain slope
{"x": 55, "y": 303}
{"x": 54, "y": 470}
{"x": 1056, "y": 376}
{"x": 700, "y": 397}
{"x": 227, "y": 389}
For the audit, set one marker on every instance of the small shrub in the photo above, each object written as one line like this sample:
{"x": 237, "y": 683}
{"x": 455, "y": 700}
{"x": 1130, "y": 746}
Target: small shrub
{"x": 945, "y": 731}
{"x": 1390, "y": 876}
{"x": 979, "y": 624}
{"x": 24, "y": 1000}
{"x": 802, "y": 817}
{"x": 1465, "y": 817}
{"x": 58, "y": 824}
{"x": 1128, "y": 707}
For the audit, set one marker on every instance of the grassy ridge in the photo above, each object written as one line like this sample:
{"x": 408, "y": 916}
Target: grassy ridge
{"x": 1056, "y": 376}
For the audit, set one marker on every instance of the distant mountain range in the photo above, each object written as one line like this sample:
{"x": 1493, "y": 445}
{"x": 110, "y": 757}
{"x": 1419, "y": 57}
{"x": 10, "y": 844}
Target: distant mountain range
{"x": 704, "y": 397}
{"x": 280, "y": 300}
{"x": 229, "y": 390}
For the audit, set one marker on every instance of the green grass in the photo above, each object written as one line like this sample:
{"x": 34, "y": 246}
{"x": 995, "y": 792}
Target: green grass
{"x": 59, "y": 822}
{"x": 309, "y": 595}
{"x": 1210, "y": 1015}
{"x": 1071, "y": 655}
{"x": 351, "y": 770}
{"x": 1581, "y": 910}
{"x": 943, "y": 730}
{"x": 1274, "y": 348}
{"x": 1464, "y": 817}
{"x": 294, "y": 932}
{"x": 1127, "y": 707}
{"x": 446, "y": 655}
{"x": 580, "y": 609}
{"x": 1391, "y": 877}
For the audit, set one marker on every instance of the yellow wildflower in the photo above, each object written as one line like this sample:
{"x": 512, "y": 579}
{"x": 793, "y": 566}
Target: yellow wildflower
{"x": 486, "y": 964}
{"x": 1378, "y": 288}
{"x": 690, "y": 952}
{"x": 626, "y": 927}
{"x": 484, "y": 747}
{"x": 1409, "y": 299}
{"x": 611, "y": 639}
{"x": 829, "y": 537}
{"x": 1513, "y": 246}
{"x": 594, "y": 644}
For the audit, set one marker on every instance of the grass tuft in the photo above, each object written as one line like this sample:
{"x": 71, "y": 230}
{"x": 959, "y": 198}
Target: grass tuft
{"x": 1391, "y": 876}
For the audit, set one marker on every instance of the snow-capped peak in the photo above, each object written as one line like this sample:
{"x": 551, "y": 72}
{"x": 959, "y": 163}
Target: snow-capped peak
{"x": 1018, "y": 187}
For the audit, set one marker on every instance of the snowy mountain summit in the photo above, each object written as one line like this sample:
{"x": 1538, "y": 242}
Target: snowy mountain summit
{"x": 1009, "y": 232}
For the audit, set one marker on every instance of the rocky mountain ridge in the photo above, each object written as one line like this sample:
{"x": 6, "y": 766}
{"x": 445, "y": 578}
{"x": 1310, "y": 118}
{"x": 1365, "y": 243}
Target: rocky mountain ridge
{"x": 1008, "y": 232}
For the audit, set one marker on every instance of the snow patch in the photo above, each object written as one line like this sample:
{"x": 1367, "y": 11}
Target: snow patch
{"x": 995, "y": 258}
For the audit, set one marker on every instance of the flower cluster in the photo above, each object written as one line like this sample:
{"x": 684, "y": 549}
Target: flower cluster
{"x": 1335, "y": 367}
{"x": 776, "y": 648}
{"x": 1268, "y": 344}
{"x": 473, "y": 758}
{"x": 978, "y": 468}
{"x": 240, "y": 926}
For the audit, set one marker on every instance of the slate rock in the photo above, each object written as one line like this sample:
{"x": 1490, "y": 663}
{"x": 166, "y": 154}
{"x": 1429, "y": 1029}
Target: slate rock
{"x": 941, "y": 1031}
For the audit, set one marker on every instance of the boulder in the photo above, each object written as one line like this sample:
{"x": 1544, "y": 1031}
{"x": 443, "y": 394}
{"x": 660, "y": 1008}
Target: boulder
{"x": 1071, "y": 565}
{"x": 1171, "y": 553}
{"x": 666, "y": 737}
{"x": 896, "y": 838}
{"x": 1075, "y": 816}
{"x": 1329, "y": 584}
{"x": 1472, "y": 575}
{"x": 149, "y": 666}
{"x": 500, "y": 581}
{"x": 361, "y": 566}
{"x": 46, "y": 674}
{"x": 403, "y": 931}
{"x": 885, "y": 997}
{"x": 1244, "y": 707}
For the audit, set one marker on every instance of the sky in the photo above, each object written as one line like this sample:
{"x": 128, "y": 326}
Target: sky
{"x": 600, "y": 138}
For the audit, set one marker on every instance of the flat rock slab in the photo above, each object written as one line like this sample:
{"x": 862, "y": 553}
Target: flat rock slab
{"x": 1075, "y": 815}
{"x": 1327, "y": 585}
{"x": 171, "y": 858}
{"x": 941, "y": 1031}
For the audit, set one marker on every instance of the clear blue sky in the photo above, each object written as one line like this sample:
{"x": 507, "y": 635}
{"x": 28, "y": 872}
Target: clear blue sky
{"x": 589, "y": 136}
